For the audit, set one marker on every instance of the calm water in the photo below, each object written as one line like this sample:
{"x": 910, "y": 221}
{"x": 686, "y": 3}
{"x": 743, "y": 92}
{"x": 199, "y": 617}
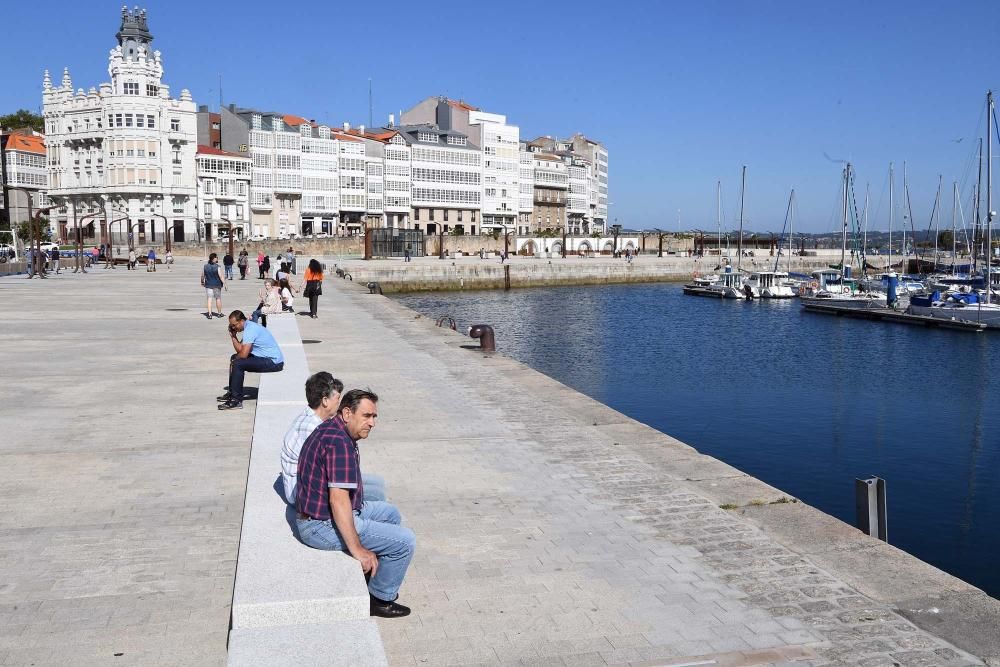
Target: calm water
{"x": 806, "y": 402}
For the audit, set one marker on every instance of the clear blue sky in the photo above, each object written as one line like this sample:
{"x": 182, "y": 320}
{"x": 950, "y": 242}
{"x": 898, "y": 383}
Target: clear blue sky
{"x": 682, "y": 93}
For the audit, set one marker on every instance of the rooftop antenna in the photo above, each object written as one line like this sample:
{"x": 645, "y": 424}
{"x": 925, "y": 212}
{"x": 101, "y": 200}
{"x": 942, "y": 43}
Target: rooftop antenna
{"x": 370, "y": 123}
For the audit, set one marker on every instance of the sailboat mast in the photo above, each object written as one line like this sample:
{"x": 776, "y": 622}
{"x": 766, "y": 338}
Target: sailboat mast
{"x": 890, "y": 216}
{"x": 977, "y": 234}
{"x": 937, "y": 219}
{"x": 739, "y": 241}
{"x": 718, "y": 216}
{"x": 864, "y": 243}
{"x": 843, "y": 244}
{"x": 989, "y": 194}
{"x": 791, "y": 228}
{"x": 954, "y": 212}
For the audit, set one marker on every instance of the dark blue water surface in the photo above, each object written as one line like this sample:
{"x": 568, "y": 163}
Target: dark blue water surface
{"x": 805, "y": 402}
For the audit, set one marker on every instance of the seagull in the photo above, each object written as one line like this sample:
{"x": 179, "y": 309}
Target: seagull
{"x": 957, "y": 141}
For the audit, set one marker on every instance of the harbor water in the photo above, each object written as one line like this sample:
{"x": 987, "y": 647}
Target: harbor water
{"x": 802, "y": 401}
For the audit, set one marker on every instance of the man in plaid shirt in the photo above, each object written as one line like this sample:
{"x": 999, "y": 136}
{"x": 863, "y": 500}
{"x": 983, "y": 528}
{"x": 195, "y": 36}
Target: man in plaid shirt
{"x": 333, "y": 513}
{"x": 323, "y": 397}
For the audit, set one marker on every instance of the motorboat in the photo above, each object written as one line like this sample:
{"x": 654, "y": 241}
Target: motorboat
{"x": 963, "y": 306}
{"x": 769, "y": 285}
{"x": 725, "y": 285}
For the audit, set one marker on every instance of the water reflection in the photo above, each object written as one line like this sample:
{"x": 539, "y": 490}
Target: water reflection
{"x": 802, "y": 401}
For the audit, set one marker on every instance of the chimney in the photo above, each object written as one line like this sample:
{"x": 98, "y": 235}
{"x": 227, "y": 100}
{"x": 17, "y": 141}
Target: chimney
{"x": 392, "y": 120}
{"x": 347, "y": 126}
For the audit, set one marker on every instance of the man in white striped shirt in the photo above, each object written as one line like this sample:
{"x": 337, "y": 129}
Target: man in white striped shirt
{"x": 323, "y": 396}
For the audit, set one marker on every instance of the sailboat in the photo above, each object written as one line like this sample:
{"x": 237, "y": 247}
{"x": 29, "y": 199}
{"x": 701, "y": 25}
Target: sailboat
{"x": 727, "y": 284}
{"x": 773, "y": 284}
{"x": 832, "y": 287}
{"x": 968, "y": 305}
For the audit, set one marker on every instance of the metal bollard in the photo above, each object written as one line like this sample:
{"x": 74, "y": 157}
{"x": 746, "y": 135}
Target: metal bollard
{"x": 374, "y": 288}
{"x": 869, "y": 501}
{"x": 449, "y": 320}
{"x": 484, "y": 332}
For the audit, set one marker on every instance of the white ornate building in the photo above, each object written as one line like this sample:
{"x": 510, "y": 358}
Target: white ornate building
{"x": 122, "y": 156}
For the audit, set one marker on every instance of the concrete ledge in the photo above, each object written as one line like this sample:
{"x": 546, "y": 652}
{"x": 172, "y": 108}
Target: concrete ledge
{"x": 346, "y": 643}
{"x": 279, "y": 581}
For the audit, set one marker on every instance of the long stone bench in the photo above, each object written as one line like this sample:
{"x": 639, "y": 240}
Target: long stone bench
{"x": 291, "y": 604}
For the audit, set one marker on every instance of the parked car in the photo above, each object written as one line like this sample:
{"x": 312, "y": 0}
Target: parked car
{"x": 7, "y": 252}
{"x": 47, "y": 247}
{"x": 258, "y": 237}
{"x": 282, "y": 237}
{"x": 321, "y": 235}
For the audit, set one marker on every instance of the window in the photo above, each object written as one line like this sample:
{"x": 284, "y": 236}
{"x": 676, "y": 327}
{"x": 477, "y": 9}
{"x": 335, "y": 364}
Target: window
{"x": 224, "y": 210}
{"x": 473, "y": 216}
{"x": 152, "y": 90}
{"x": 179, "y": 204}
{"x": 175, "y": 125}
{"x": 446, "y": 215}
{"x": 208, "y": 209}
{"x": 431, "y": 218}
{"x": 118, "y": 120}
{"x": 129, "y": 152}
{"x": 149, "y": 122}
{"x": 416, "y": 214}
{"x": 140, "y": 152}
{"x": 209, "y": 186}
{"x": 427, "y": 136}
{"x": 239, "y": 211}
{"x": 131, "y": 88}
{"x": 456, "y": 141}
{"x": 139, "y": 120}
{"x": 128, "y": 120}
{"x": 459, "y": 216}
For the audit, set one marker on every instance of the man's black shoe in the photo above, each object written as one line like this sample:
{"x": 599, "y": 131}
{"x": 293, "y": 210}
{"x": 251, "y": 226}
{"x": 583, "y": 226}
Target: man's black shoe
{"x": 231, "y": 405}
{"x": 224, "y": 398}
{"x": 385, "y": 609}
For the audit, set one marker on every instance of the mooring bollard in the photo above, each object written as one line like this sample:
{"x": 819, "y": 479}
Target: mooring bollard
{"x": 484, "y": 332}
{"x": 869, "y": 502}
{"x": 449, "y": 320}
{"x": 374, "y": 288}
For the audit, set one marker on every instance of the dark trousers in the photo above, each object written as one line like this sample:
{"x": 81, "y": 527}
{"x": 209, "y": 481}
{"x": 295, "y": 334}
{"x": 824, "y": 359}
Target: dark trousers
{"x": 313, "y": 303}
{"x": 261, "y": 269}
{"x": 239, "y": 367}
{"x": 243, "y": 273}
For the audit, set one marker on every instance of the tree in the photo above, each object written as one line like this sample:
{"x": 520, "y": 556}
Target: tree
{"x": 945, "y": 239}
{"x": 32, "y": 231}
{"x": 23, "y": 118}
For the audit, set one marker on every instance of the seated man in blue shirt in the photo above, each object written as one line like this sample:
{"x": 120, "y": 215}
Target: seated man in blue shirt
{"x": 257, "y": 352}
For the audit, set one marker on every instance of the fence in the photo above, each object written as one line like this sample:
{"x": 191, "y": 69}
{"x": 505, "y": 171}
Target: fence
{"x": 395, "y": 242}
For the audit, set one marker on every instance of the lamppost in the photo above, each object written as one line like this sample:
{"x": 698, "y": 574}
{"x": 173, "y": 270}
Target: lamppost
{"x": 440, "y": 241}
{"x": 660, "y": 233}
{"x": 616, "y": 229}
{"x": 37, "y": 265}
{"x": 229, "y": 222}
{"x": 564, "y": 243}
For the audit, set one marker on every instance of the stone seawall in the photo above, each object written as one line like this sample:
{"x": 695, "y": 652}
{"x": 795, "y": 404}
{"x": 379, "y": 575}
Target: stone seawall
{"x": 432, "y": 274}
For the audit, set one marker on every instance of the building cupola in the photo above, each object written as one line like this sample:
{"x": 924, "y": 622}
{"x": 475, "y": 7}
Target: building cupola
{"x": 134, "y": 33}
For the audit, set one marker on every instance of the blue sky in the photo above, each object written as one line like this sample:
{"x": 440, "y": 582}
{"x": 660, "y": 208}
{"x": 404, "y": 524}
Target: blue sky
{"x": 683, "y": 94}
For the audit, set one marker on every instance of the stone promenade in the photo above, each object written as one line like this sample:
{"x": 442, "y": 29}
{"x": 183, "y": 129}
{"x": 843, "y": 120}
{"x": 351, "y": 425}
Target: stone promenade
{"x": 123, "y": 491}
{"x": 553, "y": 530}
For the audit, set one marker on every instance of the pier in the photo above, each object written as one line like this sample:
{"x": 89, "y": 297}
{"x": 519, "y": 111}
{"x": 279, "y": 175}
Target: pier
{"x": 550, "y": 528}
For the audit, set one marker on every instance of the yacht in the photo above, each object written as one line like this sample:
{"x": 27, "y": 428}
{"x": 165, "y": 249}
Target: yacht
{"x": 769, "y": 285}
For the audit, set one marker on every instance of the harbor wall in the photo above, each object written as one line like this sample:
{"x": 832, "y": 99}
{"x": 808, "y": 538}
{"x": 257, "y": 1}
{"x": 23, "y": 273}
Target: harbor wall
{"x": 473, "y": 273}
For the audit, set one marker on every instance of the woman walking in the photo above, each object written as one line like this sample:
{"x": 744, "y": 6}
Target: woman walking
{"x": 314, "y": 286}
{"x": 243, "y": 262}
{"x": 213, "y": 282}
{"x": 265, "y": 268}
{"x": 260, "y": 264}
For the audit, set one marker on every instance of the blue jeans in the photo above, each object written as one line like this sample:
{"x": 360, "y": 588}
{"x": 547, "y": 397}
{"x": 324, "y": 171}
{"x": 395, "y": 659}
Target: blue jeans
{"x": 238, "y": 367}
{"x": 374, "y": 486}
{"x": 229, "y": 272}
{"x": 378, "y": 528}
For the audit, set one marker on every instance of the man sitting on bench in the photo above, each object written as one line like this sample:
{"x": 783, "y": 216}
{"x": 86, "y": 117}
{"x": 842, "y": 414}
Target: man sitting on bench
{"x": 323, "y": 396}
{"x": 258, "y": 352}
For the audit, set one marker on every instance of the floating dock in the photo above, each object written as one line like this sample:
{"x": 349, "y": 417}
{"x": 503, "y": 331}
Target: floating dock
{"x": 886, "y": 314}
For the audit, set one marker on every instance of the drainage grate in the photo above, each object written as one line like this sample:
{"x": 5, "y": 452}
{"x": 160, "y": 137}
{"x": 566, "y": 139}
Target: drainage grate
{"x": 175, "y": 310}
{"x": 310, "y": 341}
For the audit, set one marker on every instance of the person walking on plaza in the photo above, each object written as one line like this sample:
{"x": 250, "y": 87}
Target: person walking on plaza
{"x": 335, "y": 515}
{"x": 227, "y": 264}
{"x": 257, "y": 352}
{"x": 131, "y": 259}
{"x": 266, "y": 266}
{"x": 54, "y": 259}
{"x": 314, "y": 286}
{"x": 291, "y": 259}
{"x": 323, "y": 399}
{"x": 260, "y": 264}
{"x": 213, "y": 282}
{"x": 169, "y": 260}
{"x": 243, "y": 262}
{"x": 406, "y": 253}
{"x": 151, "y": 260}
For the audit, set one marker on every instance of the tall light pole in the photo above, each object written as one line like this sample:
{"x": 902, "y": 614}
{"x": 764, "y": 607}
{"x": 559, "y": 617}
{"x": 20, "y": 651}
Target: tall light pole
{"x": 36, "y": 266}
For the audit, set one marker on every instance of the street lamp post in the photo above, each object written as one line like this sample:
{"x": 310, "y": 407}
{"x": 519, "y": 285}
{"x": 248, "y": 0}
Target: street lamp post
{"x": 440, "y": 241}
{"x": 616, "y": 229}
{"x": 564, "y": 243}
{"x": 230, "y": 223}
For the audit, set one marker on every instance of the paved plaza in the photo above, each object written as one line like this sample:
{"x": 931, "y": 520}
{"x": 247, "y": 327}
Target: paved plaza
{"x": 551, "y": 529}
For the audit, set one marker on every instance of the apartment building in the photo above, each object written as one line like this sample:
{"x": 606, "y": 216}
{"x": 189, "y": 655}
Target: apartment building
{"x": 499, "y": 144}
{"x": 23, "y": 176}
{"x": 446, "y": 180}
{"x": 587, "y": 180}
{"x": 551, "y": 185}
{"x": 121, "y": 157}
{"x": 223, "y": 192}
